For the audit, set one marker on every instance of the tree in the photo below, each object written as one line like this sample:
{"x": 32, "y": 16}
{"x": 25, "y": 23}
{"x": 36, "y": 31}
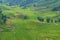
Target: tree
{"x": 40, "y": 19}
{"x": 48, "y": 20}
{"x": 58, "y": 20}
{"x": 3, "y": 18}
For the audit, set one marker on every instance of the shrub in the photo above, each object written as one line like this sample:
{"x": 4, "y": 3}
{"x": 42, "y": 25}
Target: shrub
{"x": 48, "y": 20}
{"x": 40, "y": 19}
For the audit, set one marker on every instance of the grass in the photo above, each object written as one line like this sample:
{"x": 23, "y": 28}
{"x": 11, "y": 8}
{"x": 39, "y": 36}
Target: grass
{"x": 26, "y": 30}
{"x": 31, "y": 29}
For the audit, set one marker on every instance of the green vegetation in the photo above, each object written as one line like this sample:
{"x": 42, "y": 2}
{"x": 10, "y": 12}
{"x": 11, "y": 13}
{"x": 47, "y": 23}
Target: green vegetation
{"x": 29, "y": 28}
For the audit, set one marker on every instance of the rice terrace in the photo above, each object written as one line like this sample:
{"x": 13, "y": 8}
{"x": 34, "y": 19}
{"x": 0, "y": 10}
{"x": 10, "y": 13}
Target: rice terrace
{"x": 29, "y": 19}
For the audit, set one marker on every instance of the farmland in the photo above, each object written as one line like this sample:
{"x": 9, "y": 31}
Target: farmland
{"x": 23, "y": 23}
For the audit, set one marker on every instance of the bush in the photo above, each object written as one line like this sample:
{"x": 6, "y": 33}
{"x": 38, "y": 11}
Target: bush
{"x": 3, "y": 18}
{"x": 40, "y": 19}
{"x": 58, "y": 20}
{"x": 48, "y": 20}
{"x": 21, "y": 16}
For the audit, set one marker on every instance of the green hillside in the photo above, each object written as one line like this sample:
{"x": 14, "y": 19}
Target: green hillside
{"x": 27, "y": 20}
{"x": 29, "y": 28}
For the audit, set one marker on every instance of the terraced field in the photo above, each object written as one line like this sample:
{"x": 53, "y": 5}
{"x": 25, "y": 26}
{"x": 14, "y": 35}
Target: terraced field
{"x": 25, "y": 23}
{"x": 32, "y": 30}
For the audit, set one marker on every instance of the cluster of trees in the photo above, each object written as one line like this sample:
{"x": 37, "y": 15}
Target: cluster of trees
{"x": 56, "y": 8}
{"x": 3, "y": 18}
{"x": 48, "y": 20}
